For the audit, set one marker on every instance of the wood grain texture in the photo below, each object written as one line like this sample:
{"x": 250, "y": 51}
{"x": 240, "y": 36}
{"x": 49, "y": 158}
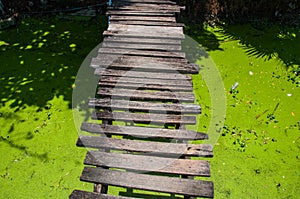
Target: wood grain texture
{"x": 146, "y": 96}
{"x": 151, "y": 107}
{"x": 142, "y": 40}
{"x": 146, "y": 75}
{"x": 164, "y": 82}
{"x": 77, "y": 194}
{"x": 148, "y": 164}
{"x": 148, "y": 182}
{"x": 149, "y": 148}
{"x": 143, "y": 132}
{"x": 150, "y": 118}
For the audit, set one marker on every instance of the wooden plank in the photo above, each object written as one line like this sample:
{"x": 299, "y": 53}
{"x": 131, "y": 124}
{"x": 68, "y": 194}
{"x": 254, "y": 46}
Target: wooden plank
{"x": 164, "y": 82}
{"x": 149, "y": 1}
{"x": 146, "y": 67}
{"x": 114, "y": 104}
{"x": 148, "y": 182}
{"x": 144, "y": 11}
{"x": 137, "y": 13}
{"x": 146, "y": 53}
{"x": 150, "y": 118}
{"x": 140, "y": 59}
{"x": 143, "y": 6}
{"x": 143, "y": 132}
{"x": 77, "y": 194}
{"x": 142, "y": 34}
{"x": 142, "y": 46}
{"x": 137, "y": 74}
{"x": 142, "y": 40}
{"x": 142, "y": 18}
{"x": 148, "y": 164}
{"x": 149, "y": 23}
{"x": 147, "y": 96}
{"x": 148, "y": 148}
{"x": 144, "y": 29}
{"x": 142, "y": 86}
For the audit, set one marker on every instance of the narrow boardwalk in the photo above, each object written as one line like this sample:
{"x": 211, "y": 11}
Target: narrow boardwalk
{"x": 143, "y": 103}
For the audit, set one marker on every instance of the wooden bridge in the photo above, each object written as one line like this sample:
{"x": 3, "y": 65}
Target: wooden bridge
{"x": 144, "y": 101}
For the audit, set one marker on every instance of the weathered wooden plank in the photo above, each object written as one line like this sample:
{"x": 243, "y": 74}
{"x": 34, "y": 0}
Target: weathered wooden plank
{"x": 142, "y": 18}
{"x": 148, "y": 163}
{"x": 140, "y": 59}
{"x": 142, "y": 34}
{"x": 147, "y": 75}
{"x": 137, "y": 13}
{"x": 164, "y": 82}
{"x": 144, "y": 95}
{"x": 143, "y": 6}
{"x": 143, "y": 11}
{"x": 145, "y": 29}
{"x": 149, "y": 1}
{"x": 146, "y": 53}
{"x": 146, "y": 147}
{"x": 148, "y": 182}
{"x": 113, "y": 104}
{"x": 150, "y": 118}
{"x": 77, "y": 194}
{"x": 143, "y": 132}
{"x": 149, "y": 23}
{"x": 142, "y": 40}
{"x": 143, "y": 86}
{"x": 142, "y": 46}
{"x": 146, "y": 67}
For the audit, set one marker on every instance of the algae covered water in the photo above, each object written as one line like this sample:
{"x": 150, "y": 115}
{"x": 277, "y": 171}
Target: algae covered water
{"x": 256, "y": 155}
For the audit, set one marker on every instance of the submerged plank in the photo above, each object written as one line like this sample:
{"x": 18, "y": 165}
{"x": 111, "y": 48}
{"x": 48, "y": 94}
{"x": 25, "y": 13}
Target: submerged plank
{"x": 148, "y": 182}
{"x": 148, "y": 163}
{"x": 143, "y": 132}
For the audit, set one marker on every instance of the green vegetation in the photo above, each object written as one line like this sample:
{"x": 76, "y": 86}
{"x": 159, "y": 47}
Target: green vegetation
{"x": 256, "y": 156}
{"x": 39, "y": 63}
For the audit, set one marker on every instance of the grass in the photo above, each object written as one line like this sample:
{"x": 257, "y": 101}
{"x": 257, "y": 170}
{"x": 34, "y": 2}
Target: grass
{"x": 257, "y": 146}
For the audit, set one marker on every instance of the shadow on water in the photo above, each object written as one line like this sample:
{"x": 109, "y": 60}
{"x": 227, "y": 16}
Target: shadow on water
{"x": 40, "y": 59}
{"x": 259, "y": 39}
{"x": 12, "y": 144}
{"x": 266, "y": 40}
